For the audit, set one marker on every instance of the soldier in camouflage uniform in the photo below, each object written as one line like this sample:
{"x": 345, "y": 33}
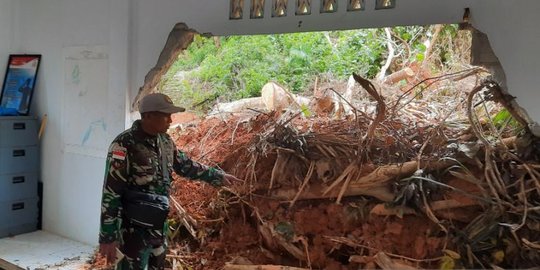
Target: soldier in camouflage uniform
{"x": 135, "y": 161}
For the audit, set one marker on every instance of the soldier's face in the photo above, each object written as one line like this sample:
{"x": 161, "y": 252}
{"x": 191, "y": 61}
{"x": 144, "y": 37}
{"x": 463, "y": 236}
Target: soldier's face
{"x": 160, "y": 121}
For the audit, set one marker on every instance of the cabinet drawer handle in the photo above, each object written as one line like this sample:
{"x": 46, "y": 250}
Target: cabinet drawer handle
{"x": 17, "y": 206}
{"x": 19, "y": 153}
{"x": 18, "y": 126}
{"x": 18, "y": 179}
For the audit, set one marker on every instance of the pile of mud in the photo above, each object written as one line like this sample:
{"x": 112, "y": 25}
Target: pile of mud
{"x": 361, "y": 191}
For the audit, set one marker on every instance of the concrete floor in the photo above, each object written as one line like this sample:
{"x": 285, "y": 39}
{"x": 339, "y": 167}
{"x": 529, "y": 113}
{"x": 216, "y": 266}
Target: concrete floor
{"x": 42, "y": 250}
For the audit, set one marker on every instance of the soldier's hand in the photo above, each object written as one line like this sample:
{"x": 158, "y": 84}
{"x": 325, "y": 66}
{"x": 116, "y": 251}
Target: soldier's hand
{"x": 108, "y": 250}
{"x": 228, "y": 179}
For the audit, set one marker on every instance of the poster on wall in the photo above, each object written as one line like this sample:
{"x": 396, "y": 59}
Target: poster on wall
{"x": 19, "y": 83}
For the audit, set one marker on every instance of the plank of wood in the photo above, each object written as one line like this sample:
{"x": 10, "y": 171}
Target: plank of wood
{"x": 5, "y": 265}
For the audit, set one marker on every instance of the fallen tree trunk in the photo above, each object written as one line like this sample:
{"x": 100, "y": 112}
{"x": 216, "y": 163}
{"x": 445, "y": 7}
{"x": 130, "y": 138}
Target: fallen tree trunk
{"x": 239, "y": 105}
{"x": 315, "y": 191}
{"x": 374, "y": 184}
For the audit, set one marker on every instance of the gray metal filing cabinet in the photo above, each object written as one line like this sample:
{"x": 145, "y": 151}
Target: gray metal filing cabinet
{"x": 19, "y": 170}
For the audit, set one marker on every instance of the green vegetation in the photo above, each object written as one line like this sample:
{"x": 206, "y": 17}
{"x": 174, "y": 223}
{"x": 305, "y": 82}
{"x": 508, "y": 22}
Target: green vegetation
{"x": 236, "y": 67}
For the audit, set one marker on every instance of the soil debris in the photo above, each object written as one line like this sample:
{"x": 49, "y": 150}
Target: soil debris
{"x": 426, "y": 185}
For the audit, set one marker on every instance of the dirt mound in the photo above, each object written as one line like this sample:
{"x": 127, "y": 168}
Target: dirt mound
{"x": 357, "y": 191}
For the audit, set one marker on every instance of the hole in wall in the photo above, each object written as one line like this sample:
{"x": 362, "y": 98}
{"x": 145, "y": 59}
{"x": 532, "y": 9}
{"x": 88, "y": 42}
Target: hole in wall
{"x": 181, "y": 37}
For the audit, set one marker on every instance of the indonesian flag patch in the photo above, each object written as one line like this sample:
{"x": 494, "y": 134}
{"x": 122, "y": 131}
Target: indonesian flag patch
{"x": 118, "y": 152}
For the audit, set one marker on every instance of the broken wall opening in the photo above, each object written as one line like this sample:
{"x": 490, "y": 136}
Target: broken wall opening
{"x": 178, "y": 40}
{"x": 361, "y": 189}
{"x": 391, "y": 63}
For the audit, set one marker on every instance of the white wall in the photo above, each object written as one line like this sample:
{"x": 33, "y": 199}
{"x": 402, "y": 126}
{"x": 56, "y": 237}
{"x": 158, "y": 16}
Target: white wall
{"x": 73, "y": 181}
{"x": 514, "y": 33}
{"x": 8, "y": 10}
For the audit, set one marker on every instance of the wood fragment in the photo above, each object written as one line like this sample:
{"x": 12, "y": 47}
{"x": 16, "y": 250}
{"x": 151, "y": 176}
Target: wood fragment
{"x": 396, "y": 171}
{"x": 267, "y": 238}
{"x": 186, "y": 220}
{"x": 306, "y": 180}
{"x": 386, "y": 263}
{"x": 531, "y": 244}
{"x": 361, "y": 259}
{"x": 260, "y": 267}
{"x": 381, "y": 109}
{"x": 274, "y": 239}
{"x": 399, "y": 76}
{"x": 345, "y": 185}
{"x": 340, "y": 178}
{"x": 384, "y": 173}
{"x": 427, "y": 54}
{"x": 391, "y": 54}
{"x": 382, "y": 193}
{"x": 281, "y": 162}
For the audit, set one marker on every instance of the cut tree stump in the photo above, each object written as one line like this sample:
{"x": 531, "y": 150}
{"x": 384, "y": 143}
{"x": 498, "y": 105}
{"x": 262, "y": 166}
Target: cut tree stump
{"x": 399, "y": 76}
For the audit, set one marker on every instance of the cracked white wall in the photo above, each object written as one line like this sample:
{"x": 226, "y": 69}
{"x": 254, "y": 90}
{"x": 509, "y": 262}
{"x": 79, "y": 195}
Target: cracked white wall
{"x": 73, "y": 181}
{"x": 514, "y": 35}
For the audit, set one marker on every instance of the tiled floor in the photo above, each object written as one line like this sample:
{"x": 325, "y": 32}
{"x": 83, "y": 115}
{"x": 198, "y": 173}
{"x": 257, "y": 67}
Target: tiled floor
{"x": 42, "y": 250}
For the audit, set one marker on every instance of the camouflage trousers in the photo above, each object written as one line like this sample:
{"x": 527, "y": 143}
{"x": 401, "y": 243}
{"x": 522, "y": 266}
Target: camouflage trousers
{"x": 143, "y": 249}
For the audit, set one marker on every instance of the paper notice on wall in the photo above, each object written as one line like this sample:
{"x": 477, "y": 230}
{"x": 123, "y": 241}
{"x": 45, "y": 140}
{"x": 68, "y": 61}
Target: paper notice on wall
{"x": 85, "y": 100}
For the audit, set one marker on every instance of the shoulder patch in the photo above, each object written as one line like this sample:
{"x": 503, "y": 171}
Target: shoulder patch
{"x": 118, "y": 152}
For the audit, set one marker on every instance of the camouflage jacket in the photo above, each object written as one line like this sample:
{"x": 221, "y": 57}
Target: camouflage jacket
{"x": 135, "y": 161}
